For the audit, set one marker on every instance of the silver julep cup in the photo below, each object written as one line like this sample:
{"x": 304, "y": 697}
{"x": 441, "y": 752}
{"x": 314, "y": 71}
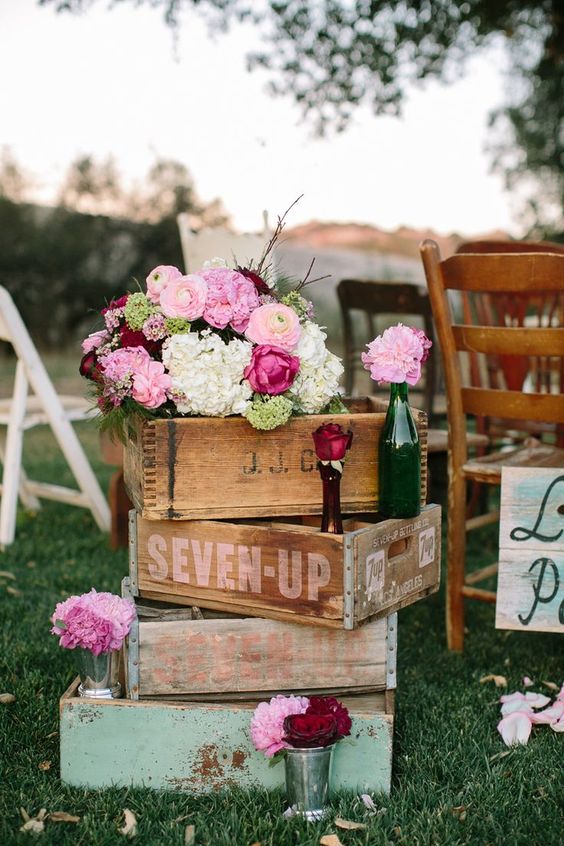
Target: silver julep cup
{"x": 99, "y": 674}
{"x": 308, "y": 779}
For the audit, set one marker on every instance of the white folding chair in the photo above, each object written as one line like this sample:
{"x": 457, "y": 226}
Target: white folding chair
{"x": 198, "y": 247}
{"x": 21, "y": 412}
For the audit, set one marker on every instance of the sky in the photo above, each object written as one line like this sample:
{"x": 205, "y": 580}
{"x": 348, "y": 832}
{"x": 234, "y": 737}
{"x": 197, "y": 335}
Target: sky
{"x": 113, "y": 83}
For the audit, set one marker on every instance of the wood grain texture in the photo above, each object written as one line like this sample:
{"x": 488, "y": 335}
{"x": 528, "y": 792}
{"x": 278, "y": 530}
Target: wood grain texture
{"x": 530, "y": 593}
{"x": 190, "y": 468}
{"x": 201, "y": 747}
{"x": 289, "y": 571}
{"x": 233, "y": 656}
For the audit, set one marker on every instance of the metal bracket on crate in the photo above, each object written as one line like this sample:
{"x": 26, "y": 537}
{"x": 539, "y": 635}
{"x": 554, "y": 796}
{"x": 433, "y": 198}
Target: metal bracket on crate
{"x": 133, "y": 552}
{"x": 348, "y": 583}
{"x": 132, "y": 650}
{"x": 392, "y": 651}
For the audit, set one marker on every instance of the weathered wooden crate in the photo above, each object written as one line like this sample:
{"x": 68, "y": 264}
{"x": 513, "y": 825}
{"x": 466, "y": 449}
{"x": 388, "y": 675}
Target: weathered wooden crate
{"x": 207, "y": 468}
{"x": 197, "y": 747}
{"x": 186, "y": 652}
{"x": 289, "y": 571}
{"x": 530, "y": 588}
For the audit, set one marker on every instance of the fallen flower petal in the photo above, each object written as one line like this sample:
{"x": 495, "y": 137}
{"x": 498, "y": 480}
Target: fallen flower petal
{"x": 290, "y": 812}
{"x": 7, "y": 698}
{"x": 330, "y": 840}
{"x": 499, "y": 681}
{"x": 515, "y": 728}
{"x": 349, "y": 825}
{"x": 189, "y": 835}
{"x": 558, "y": 725}
{"x": 368, "y": 801}
{"x": 537, "y": 700}
{"x": 561, "y": 694}
{"x": 551, "y": 685}
{"x": 129, "y": 827}
{"x": 518, "y": 705}
{"x": 549, "y": 715}
{"x": 527, "y": 682}
{"x": 512, "y": 697}
{"x": 62, "y": 816}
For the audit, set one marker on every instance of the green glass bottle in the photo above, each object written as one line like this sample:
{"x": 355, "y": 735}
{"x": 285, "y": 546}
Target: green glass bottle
{"x": 399, "y": 464}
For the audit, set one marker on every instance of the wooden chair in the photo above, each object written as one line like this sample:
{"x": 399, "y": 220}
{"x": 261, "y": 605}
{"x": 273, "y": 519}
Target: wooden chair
{"x": 21, "y": 412}
{"x": 375, "y": 299}
{"x": 538, "y": 277}
{"x": 198, "y": 247}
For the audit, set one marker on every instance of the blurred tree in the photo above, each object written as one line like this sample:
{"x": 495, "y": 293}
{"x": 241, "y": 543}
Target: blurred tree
{"x": 15, "y": 183}
{"x": 332, "y": 55}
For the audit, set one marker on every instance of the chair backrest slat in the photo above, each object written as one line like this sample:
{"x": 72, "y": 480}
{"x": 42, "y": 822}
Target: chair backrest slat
{"x": 514, "y": 405}
{"x": 510, "y": 340}
{"x": 530, "y": 273}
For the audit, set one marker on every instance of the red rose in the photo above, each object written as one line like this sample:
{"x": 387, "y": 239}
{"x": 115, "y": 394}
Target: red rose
{"x": 131, "y": 338}
{"x": 304, "y": 731}
{"x": 89, "y": 367}
{"x": 257, "y": 280}
{"x": 330, "y": 705}
{"x": 331, "y": 443}
{"x": 272, "y": 370}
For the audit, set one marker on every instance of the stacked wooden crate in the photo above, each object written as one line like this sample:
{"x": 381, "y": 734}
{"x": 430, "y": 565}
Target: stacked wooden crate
{"x": 241, "y": 597}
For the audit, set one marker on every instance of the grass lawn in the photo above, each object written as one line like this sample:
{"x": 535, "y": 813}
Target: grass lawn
{"x": 450, "y": 786}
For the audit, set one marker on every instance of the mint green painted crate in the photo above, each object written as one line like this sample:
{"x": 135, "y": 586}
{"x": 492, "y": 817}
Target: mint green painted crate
{"x": 198, "y": 747}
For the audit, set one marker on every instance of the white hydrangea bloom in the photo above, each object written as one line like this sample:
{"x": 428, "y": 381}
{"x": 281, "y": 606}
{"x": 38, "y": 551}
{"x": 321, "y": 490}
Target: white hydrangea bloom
{"x": 216, "y": 261}
{"x": 207, "y": 373}
{"x": 317, "y": 380}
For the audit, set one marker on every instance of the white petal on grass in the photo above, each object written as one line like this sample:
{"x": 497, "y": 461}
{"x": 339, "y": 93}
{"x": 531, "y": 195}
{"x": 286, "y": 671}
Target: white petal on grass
{"x": 537, "y": 700}
{"x": 189, "y": 835}
{"x": 527, "y": 682}
{"x": 129, "y": 827}
{"x": 515, "y": 728}
{"x": 368, "y": 801}
{"x": 550, "y": 715}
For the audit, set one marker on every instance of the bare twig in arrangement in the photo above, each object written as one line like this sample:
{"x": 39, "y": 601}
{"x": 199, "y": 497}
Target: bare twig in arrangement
{"x": 275, "y": 236}
{"x": 306, "y": 281}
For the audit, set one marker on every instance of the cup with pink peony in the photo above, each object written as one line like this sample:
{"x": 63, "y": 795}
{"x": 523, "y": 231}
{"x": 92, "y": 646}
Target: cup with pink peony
{"x": 304, "y": 731}
{"x": 95, "y": 626}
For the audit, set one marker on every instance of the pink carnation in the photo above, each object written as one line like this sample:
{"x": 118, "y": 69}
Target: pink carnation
{"x": 151, "y": 384}
{"x": 158, "y": 279}
{"x": 267, "y": 723}
{"x": 395, "y": 356}
{"x": 185, "y": 297}
{"x": 275, "y": 324}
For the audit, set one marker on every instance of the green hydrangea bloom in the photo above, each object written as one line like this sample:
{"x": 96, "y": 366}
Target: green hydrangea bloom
{"x": 269, "y": 412}
{"x": 137, "y": 310}
{"x": 177, "y": 325}
{"x": 297, "y": 302}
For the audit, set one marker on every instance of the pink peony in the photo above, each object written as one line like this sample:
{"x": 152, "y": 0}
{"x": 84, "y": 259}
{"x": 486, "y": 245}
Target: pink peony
{"x": 395, "y": 356}
{"x": 426, "y": 343}
{"x": 275, "y": 324}
{"x": 271, "y": 370}
{"x": 231, "y": 298}
{"x": 158, "y": 279}
{"x": 150, "y": 384}
{"x": 95, "y": 340}
{"x": 95, "y": 621}
{"x": 267, "y": 723}
{"x": 246, "y": 301}
{"x": 185, "y": 297}
{"x": 118, "y": 368}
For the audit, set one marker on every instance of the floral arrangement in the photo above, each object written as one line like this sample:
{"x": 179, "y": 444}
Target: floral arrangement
{"x": 521, "y": 711}
{"x": 298, "y": 722}
{"x": 218, "y": 342}
{"x": 397, "y": 355}
{"x": 96, "y": 621}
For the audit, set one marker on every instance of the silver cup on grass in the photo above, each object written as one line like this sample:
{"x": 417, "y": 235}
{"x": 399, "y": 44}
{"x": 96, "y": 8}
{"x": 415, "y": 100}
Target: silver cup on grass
{"x": 308, "y": 780}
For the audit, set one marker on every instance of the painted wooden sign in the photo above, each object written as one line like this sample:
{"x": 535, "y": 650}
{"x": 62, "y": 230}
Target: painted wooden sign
{"x": 289, "y": 571}
{"x": 214, "y": 468}
{"x": 530, "y": 592}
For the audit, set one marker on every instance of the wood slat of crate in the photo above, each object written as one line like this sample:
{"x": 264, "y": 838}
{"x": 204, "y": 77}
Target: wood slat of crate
{"x": 253, "y": 658}
{"x": 530, "y": 589}
{"x": 209, "y": 468}
{"x": 286, "y": 571}
{"x": 197, "y": 747}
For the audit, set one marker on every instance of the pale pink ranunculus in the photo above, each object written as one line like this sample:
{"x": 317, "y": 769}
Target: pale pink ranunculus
{"x": 184, "y": 297}
{"x": 151, "y": 384}
{"x": 95, "y": 340}
{"x": 158, "y": 279}
{"x": 395, "y": 356}
{"x": 275, "y": 324}
{"x": 267, "y": 722}
{"x": 271, "y": 370}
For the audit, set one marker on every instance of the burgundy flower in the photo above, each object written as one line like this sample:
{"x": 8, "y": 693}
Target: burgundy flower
{"x": 119, "y": 303}
{"x": 257, "y": 280}
{"x": 304, "y": 731}
{"x": 89, "y": 367}
{"x": 329, "y": 705}
{"x": 131, "y": 338}
{"x": 331, "y": 443}
{"x": 272, "y": 370}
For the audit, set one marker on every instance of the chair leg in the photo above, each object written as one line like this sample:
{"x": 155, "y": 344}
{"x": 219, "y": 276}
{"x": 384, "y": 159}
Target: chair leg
{"x": 13, "y": 459}
{"x": 456, "y": 554}
{"x": 28, "y": 499}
